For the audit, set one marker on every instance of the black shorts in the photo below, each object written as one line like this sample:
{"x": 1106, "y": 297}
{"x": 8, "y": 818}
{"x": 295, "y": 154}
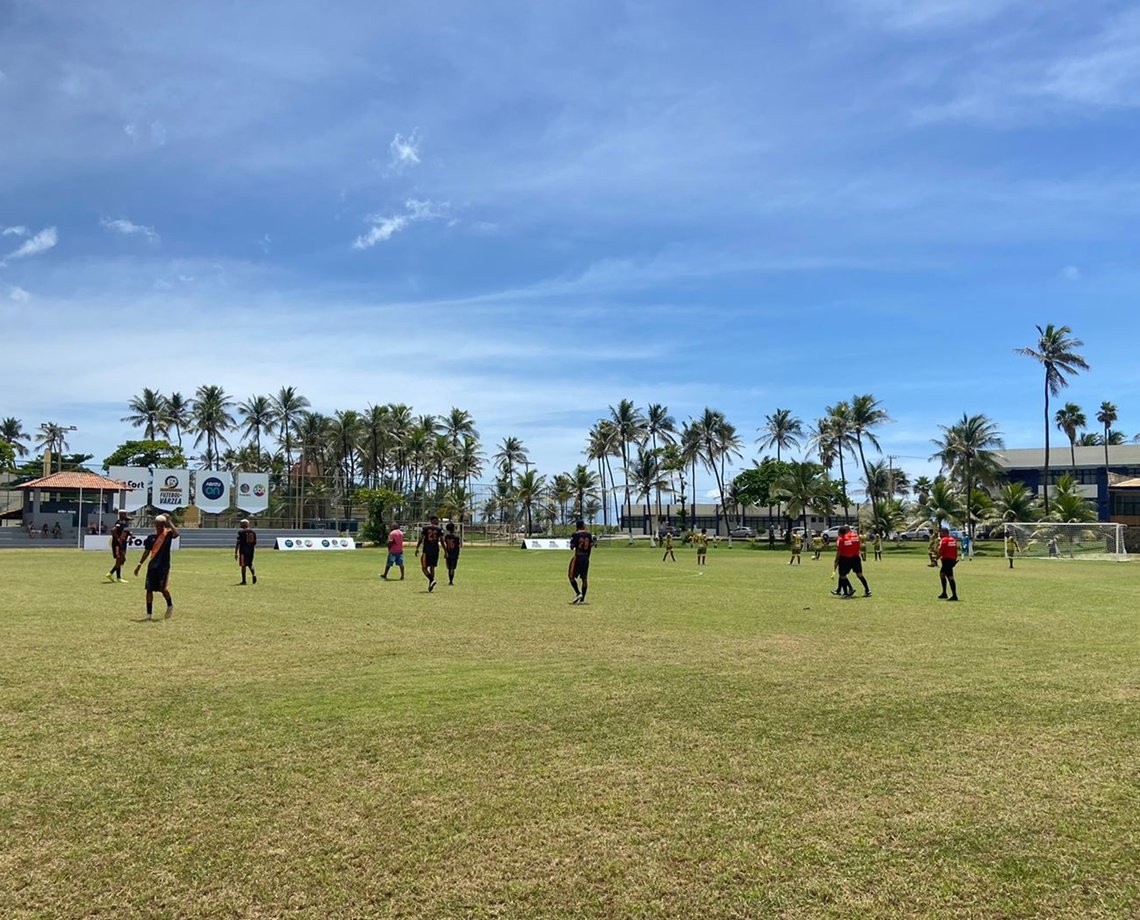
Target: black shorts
{"x": 245, "y": 555}
{"x": 849, "y": 564}
{"x": 431, "y": 556}
{"x": 156, "y": 579}
{"x": 579, "y": 566}
{"x": 948, "y": 567}
{"x": 452, "y": 559}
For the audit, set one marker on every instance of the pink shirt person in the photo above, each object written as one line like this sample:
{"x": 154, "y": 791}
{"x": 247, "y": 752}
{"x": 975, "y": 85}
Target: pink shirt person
{"x": 396, "y": 541}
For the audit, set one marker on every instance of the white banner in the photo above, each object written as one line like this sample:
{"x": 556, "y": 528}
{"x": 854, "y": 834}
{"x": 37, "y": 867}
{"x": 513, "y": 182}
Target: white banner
{"x": 253, "y": 492}
{"x": 138, "y": 478}
{"x": 102, "y": 542}
{"x": 212, "y": 490}
{"x": 314, "y": 543}
{"x": 171, "y": 489}
{"x": 545, "y": 543}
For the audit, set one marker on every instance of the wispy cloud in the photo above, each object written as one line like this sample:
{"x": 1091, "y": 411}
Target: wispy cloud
{"x": 41, "y": 242}
{"x": 925, "y": 15}
{"x": 1071, "y": 273}
{"x": 14, "y": 231}
{"x": 385, "y": 226}
{"x": 128, "y": 228}
{"x": 18, "y": 294}
{"x": 403, "y": 152}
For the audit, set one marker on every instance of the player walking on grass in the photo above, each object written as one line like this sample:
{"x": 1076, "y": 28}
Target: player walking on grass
{"x": 1011, "y": 547}
{"x": 581, "y": 542}
{"x": 816, "y": 545}
{"x": 797, "y": 548}
{"x": 120, "y": 537}
{"x": 156, "y": 548}
{"x": 243, "y": 549}
{"x": 702, "y": 543}
{"x": 430, "y": 538}
{"x": 668, "y": 548}
{"x": 452, "y": 543}
{"x": 395, "y": 552}
{"x": 878, "y": 546}
{"x": 847, "y": 560}
{"x": 948, "y": 556}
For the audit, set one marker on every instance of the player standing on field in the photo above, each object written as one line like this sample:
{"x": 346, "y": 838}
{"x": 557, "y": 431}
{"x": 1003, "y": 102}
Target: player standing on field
{"x": 243, "y": 549}
{"x": 120, "y": 537}
{"x": 702, "y": 541}
{"x": 797, "y": 548}
{"x": 395, "y": 552}
{"x": 847, "y": 560}
{"x": 430, "y": 538}
{"x": 156, "y": 548}
{"x": 668, "y": 547}
{"x": 581, "y": 542}
{"x": 452, "y": 543}
{"x": 948, "y": 555}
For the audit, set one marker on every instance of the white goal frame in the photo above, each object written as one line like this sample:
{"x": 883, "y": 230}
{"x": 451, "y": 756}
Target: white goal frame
{"x": 1096, "y": 540}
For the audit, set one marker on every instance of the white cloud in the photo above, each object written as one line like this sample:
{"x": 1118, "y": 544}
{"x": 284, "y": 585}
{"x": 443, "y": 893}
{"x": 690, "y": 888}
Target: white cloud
{"x": 19, "y": 295}
{"x": 385, "y": 226}
{"x": 404, "y": 152}
{"x": 1071, "y": 273}
{"x": 14, "y": 231}
{"x": 128, "y": 228}
{"x": 41, "y": 242}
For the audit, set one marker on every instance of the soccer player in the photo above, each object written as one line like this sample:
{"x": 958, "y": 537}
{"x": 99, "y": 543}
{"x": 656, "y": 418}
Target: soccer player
{"x": 878, "y": 546}
{"x": 847, "y": 560}
{"x": 120, "y": 537}
{"x": 816, "y": 544}
{"x": 430, "y": 538}
{"x": 668, "y": 547}
{"x": 797, "y": 547}
{"x": 702, "y": 543}
{"x": 1011, "y": 547}
{"x": 156, "y": 548}
{"x": 932, "y": 550}
{"x": 452, "y": 543}
{"x": 395, "y": 552}
{"x": 948, "y": 555}
{"x": 581, "y": 542}
{"x": 243, "y": 549}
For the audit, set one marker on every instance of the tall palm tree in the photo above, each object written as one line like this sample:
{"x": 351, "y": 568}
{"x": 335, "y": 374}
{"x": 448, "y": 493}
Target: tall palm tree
{"x": 53, "y": 439}
{"x": 528, "y": 489}
{"x": 942, "y": 504}
{"x": 780, "y": 430}
{"x": 311, "y": 431}
{"x": 805, "y": 488}
{"x": 690, "y": 454}
{"x": 511, "y": 453}
{"x": 867, "y": 413}
{"x": 718, "y": 442}
{"x": 648, "y": 477}
{"x": 601, "y": 444}
{"x": 841, "y": 436}
{"x": 967, "y": 450}
{"x": 1106, "y": 415}
{"x": 212, "y": 419}
{"x": 1070, "y": 419}
{"x": 659, "y": 424}
{"x": 288, "y": 406}
{"x": 1069, "y": 505}
{"x": 458, "y": 424}
{"x": 344, "y": 433}
{"x": 12, "y": 432}
{"x": 1056, "y": 352}
{"x": 257, "y": 415}
{"x": 147, "y": 411}
{"x": 584, "y": 483}
{"x": 468, "y": 460}
{"x": 176, "y": 415}
{"x": 629, "y": 427}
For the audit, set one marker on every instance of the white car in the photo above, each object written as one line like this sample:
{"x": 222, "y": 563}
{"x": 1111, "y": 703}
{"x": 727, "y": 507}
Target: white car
{"x": 741, "y": 531}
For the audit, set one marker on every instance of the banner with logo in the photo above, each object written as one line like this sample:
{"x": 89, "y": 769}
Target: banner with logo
{"x": 102, "y": 542}
{"x": 212, "y": 490}
{"x": 314, "y": 543}
{"x": 138, "y": 478}
{"x": 170, "y": 489}
{"x": 253, "y": 492}
{"x": 546, "y": 543}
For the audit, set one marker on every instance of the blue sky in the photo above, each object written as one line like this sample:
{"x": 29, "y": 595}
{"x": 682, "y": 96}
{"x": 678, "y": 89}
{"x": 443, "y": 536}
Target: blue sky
{"x": 534, "y": 210}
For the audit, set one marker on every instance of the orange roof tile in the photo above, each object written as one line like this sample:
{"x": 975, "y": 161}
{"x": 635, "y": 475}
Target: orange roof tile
{"x": 64, "y": 481}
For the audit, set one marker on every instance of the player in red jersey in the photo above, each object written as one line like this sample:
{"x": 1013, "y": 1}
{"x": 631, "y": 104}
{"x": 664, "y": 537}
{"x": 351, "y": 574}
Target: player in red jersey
{"x": 948, "y": 556}
{"x": 847, "y": 561}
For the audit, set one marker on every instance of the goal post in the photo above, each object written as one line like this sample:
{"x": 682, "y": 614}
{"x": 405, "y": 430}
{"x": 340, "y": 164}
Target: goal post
{"x": 1050, "y": 540}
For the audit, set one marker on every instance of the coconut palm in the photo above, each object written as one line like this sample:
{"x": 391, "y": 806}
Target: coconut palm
{"x": 12, "y": 433}
{"x": 659, "y": 424}
{"x": 1070, "y": 419}
{"x": 1014, "y": 502}
{"x": 1055, "y": 350}
{"x": 648, "y": 477}
{"x": 601, "y": 444}
{"x": 212, "y": 419}
{"x": 288, "y": 406}
{"x": 1069, "y": 505}
{"x": 176, "y": 415}
{"x": 780, "y": 430}
{"x": 562, "y": 493}
{"x": 528, "y": 490}
{"x": 257, "y": 416}
{"x": 690, "y": 454}
{"x": 866, "y": 414}
{"x": 943, "y": 504}
{"x": 511, "y": 453}
{"x": 966, "y": 451}
{"x": 629, "y": 428}
{"x": 805, "y": 488}
{"x": 718, "y": 442}
{"x": 841, "y": 435}
{"x": 147, "y": 411}
{"x": 344, "y": 433}
{"x": 458, "y": 424}
{"x": 53, "y": 439}
{"x": 584, "y": 483}
{"x": 1106, "y": 415}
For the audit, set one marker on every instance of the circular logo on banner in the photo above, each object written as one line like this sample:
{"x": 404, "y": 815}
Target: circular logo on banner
{"x": 324, "y": 542}
{"x": 244, "y": 488}
{"x": 288, "y": 544}
{"x": 344, "y": 543}
{"x": 213, "y": 488}
{"x": 259, "y": 490}
{"x": 308, "y": 542}
{"x": 171, "y": 482}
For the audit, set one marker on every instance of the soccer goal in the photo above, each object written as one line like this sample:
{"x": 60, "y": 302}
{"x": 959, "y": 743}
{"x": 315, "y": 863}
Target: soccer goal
{"x": 1047, "y": 540}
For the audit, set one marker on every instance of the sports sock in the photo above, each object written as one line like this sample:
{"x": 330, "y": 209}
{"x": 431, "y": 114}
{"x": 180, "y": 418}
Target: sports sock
{"x": 149, "y": 608}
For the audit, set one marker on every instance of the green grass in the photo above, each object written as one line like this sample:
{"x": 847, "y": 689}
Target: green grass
{"x": 734, "y": 743}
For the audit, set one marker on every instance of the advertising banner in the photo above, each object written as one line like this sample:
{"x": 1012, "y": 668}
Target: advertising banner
{"x": 102, "y": 542}
{"x": 212, "y": 490}
{"x": 171, "y": 489}
{"x": 253, "y": 492}
{"x": 138, "y": 478}
{"x": 310, "y": 544}
{"x": 546, "y": 543}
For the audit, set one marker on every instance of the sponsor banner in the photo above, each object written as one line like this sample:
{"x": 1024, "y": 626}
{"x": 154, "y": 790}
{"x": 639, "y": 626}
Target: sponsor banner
{"x": 253, "y": 492}
{"x": 212, "y": 490}
{"x": 170, "y": 489}
{"x": 545, "y": 543}
{"x": 138, "y": 478}
{"x": 102, "y": 542}
{"x": 311, "y": 544}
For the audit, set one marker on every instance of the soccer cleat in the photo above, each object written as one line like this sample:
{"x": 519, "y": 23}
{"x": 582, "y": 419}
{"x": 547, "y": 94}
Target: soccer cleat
{"x": 954, "y": 598}
{"x": 942, "y": 597}
{"x": 109, "y": 578}
{"x": 431, "y": 586}
{"x": 169, "y": 612}
{"x": 866, "y": 593}
{"x": 838, "y": 592}
{"x": 255, "y": 579}
{"x": 242, "y": 582}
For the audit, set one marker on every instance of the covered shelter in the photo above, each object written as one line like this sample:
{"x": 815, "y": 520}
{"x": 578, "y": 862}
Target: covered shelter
{"x": 55, "y": 505}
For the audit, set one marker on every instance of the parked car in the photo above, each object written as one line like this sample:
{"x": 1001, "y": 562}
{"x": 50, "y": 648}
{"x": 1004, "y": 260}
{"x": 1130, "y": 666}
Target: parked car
{"x": 921, "y": 533}
{"x": 668, "y": 530}
{"x": 741, "y": 531}
{"x": 832, "y": 533}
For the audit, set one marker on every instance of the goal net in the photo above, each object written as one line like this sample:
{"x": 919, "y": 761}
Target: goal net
{"x": 1047, "y": 540}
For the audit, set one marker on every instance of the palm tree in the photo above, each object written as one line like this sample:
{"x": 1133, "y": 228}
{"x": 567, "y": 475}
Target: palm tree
{"x": 288, "y": 406}
{"x": 1014, "y": 502}
{"x": 781, "y": 430}
{"x": 257, "y": 411}
{"x": 458, "y": 424}
{"x": 629, "y": 429}
{"x": 867, "y": 413}
{"x": 1069, "y": 506}
{"x": 12, "y": 432}
{"x": 659, "y": 423}
{"x": 1056, "y": 352}
{"x": 601, "y": 444}
{"x": 648, "y": 477}
{"x": 805, "y": 488}
{"x": 967, "y": 449}
{"x": 584, "y": 483}
{"x": 942, "y": 504}
{"x": 148, "y": 411}
{"x": 1070, "y": 418}
{"x": 468, "y": 461}
{"x": 1106, "y": 415}
{"x": 344, "y": 433}
{"x": 510, "y": 454}
{"x": 212, "y": 419}
{"x": 718, "y": 441}
{"x": 528, "y": 489}
{"x": 562, "y": 493}
{"x": 53, "y": 439}
{"x": 176, "y": 415}
{"x": 839, "y": 431}
{"x": 690, "y": 454}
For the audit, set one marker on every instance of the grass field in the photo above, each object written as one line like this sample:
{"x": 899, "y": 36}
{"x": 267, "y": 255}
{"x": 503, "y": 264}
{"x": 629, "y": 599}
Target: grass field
{"x": 735, "y": 743}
